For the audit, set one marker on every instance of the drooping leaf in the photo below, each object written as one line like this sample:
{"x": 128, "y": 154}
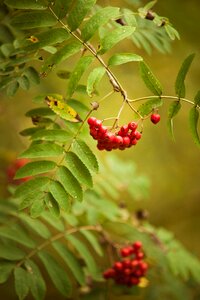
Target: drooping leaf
{"x": 36, "y": 225}
{"x": 62, "y": 54}
{"x": 172, "y": 112}
{"x": 114, "y": 37}
{"x": 16, "y": 233}
{"x": 86, "y": 155}
{"x": 12, "y": 88}
{"x": 149, "y": 79}
{"x": 35, "y": 168}
{"x": 57, "y": 135}
{"x": 180, "y": 79}
{"x": 29, "y": 131}
{"x": 30, "y": 198}
{"x": 23, "y": 4}
{"x": 60, "y": 195}
{"x": 34, "y": 19}
{"x": 21, "y": 282}
{"x": 93, "y": 79}
{"x": 62, "y": 109}
{"x": 78, "y": 169}
{"x": 100, "y": 18}
{"x": 77, "y": 73}
{"x": 57, "y": 274}
{"x": 193, "y": 119}
{"x": 89, "y": 235}
{"x": 78, "y": 13}
{"x": 23, "y": 82}
{"x": 147, "y": 107}
{"x": 123, "y": 58}
{"x": 70, "y": 183}
{"x": 36, "y": 281}
{"x": 85, "y": 254}
{"x": 6, "y": 268}
{"x": 71, "y": 261}
{"x": 32, "y": 187}
{"x": 42, "y": 150}
{"x": 10, "y": 252}
{"x": 40, "y": 111}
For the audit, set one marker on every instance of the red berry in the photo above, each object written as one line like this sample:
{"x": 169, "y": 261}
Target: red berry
{"x": 132, "y": 126}
{"x": 98, "y": 123}
{"x": 124, "y": 130}
{"x": 127, "y": 263}
{"x": 138, "y": 135}
{"x": 119, "y": 140}
{"x": 91, "y": 121}
{"x": 139, "y": 255}
{"x": 155, "y": 118}
{"x": 143, "y": 266}
{"x": 137, "y": 245}
{"x": 118, "y": 266}
{"x": 125, "y": 252}
{"x": 127, "y": 272}
{"x": 110, "y": 273}
{"x": 134, "y": 142}
{"x": 126, "y": 141}
{"x": 135, "y": 281}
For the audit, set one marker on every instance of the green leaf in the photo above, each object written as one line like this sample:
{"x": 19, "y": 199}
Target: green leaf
{"x": 172, "y": 32}
{"x": 12, "y": 88}
{"x": 77, "y": 73}
{"x": 60, "y": 195}
{"x": 35, "y": 168}
{"x": 85, "y": 254}
{"x": 193, "y": 119}
{"x": 10, "y": 252}
{"x": 31, "y": 197}
{"x": 172, "y": 112}
{"x": 23, "y": 82}
{"x": 62, "y": 54}
{"x": 147, "y": 107}
{"x": 71, "y": 261}
{"x": 86, "y": 155}
{"x": 37, "y": 208}
{"x": 36, "y": 281}
{"x": 150, "y": 80}
{"x": 21, "y": 282}
{"x": 78, "y": 169}
{"x": 40, "y": 111}
{"x": 92, "y": 240}
{"x": 57, "y": 274}
{"x": 61, "y": 7}
{"x": 47, "y": 38}
{"x": 29, "y": 131}
{"x": 197, "y": 98}
{"x": 54, "y": 135}
{"x": 53, "y": 221}
{"x": 5, "y": 270}
{"x": 32, "y": 187}
{"x": 150, "y": 4}
{"x": 70, "y": 183}
{"x": 114, "y": 37}
{"x": 179, "y": 84}
{"x": 23, "y": 4}
{"x": 34, "y": 19}
{"x": 81, "y": 108}
{"x": 42, "y": 150}
{"x": 100, "y": 18}
{"x": 36, "y": 225}
{"x": 16, "y": 233}
{"x": 32, "y": 75}
{"x": 123, "y": 58}
{"x": 93, "y": 80}
{"x": 78, "y": 13}
{"x": 52, "y": 205}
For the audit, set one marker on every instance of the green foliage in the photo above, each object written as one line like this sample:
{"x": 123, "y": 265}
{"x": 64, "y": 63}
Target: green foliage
{"x": 150, "y": 80}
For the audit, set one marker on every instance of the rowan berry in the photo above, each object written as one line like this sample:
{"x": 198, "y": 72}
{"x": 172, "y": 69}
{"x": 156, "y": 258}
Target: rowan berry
{"x": 155, "y": 118}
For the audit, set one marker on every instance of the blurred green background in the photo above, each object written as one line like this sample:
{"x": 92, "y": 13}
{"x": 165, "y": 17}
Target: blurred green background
{"x": 173, "y": 167}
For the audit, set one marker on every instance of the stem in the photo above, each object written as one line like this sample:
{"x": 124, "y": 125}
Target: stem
{"x": 162, "y": 97}
{"x": 55, "y": 238}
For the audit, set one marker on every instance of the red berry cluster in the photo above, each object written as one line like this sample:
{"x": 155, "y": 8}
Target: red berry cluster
{"x": 126, "y": 137}
{"x": 128, "y": 271}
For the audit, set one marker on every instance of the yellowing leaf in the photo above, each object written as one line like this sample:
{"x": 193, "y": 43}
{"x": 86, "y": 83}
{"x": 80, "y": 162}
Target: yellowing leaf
{"x": 63, "y": 110}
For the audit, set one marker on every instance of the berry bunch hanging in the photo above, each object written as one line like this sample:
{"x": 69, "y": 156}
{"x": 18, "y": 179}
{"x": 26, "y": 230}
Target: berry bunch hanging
{"x": 130, "y": 269}
{"x": 126, "y": 137}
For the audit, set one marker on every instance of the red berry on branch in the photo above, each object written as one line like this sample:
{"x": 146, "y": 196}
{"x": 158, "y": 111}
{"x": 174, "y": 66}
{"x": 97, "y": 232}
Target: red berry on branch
{"x": 155, "y": 118}
{"x": 132, "y": 126}
{"x": 137, "y": 245}
{"x": 118, "y": 266}
{"x": 91, "y": 121}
